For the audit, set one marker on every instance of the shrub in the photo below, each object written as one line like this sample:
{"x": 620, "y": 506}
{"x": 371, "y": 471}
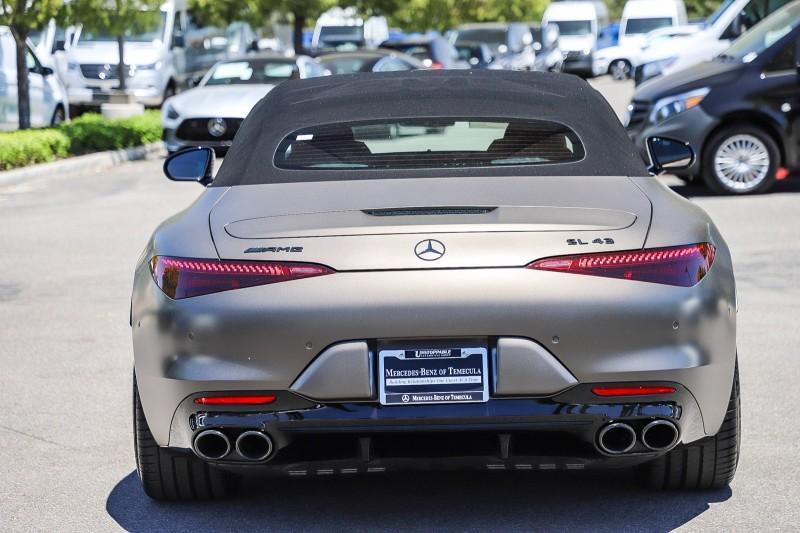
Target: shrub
{"x": 92, "y": 133}
{"x": 21, "y": 148}
{"x": 86, "y": 134}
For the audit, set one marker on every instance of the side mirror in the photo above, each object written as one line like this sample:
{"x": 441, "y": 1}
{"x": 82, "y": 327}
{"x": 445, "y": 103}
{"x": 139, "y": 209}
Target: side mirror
{"x": 45, "y": 71}
{"x": 192, "y": 164}
{"x": 668, "y": 154}
{"x": 736, "y": 28}
{"x": 178, "y": 41}
{"x": 194, "y": 81}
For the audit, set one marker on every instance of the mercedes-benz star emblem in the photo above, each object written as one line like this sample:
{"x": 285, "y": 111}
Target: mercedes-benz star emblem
{"x": 217, "y": 127}
{"x": 429, "y": 249}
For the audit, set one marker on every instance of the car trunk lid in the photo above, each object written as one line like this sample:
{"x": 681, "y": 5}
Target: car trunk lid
{"x": 480, "y": 222}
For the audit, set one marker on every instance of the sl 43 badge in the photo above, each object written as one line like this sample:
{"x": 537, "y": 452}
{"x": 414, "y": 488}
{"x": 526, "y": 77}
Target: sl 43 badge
{"x": 581, "y": 242}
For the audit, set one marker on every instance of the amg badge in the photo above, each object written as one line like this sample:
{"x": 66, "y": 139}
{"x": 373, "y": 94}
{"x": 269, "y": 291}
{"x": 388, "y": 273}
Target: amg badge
{"x": 275, "y": 249}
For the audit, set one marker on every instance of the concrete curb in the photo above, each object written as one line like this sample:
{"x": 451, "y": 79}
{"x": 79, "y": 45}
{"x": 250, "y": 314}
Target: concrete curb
{"x": 83, "y": 164}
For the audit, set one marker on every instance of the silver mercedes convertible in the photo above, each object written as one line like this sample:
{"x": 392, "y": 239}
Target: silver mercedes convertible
{"x": 423, "y": 270}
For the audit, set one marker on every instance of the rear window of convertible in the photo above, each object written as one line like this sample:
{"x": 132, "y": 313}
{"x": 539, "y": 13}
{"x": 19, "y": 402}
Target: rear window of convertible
{"x": 425, "y": 143}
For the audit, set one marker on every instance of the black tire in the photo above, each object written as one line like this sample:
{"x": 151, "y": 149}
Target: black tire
{"x": 169, "y": 91}
{"x": 715, "y": 182}
{"x": 167, "y": 476}
{"x": 58, "y": 117}
{"x": 706, "y": 464}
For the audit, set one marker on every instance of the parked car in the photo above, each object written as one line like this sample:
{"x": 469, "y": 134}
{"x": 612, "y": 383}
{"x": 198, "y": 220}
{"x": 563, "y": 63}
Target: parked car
{"x": 741, "y": 111}
{"x": 579, "y": 25}
{"x": 640, "y": 17}
{"x": 728, "y": 22}
{"x": 477, "y": 54}
{"x": 511, "y": 43}
{"x": 155, "y": 56}
{"x": 368, "y": 61}
{"x": 434, "y": 52}
{"x": 206, "y": 45}
{"x": 211, "y": 113}
{"x": 549, "y": 56}
{"x": 342, "y": 301}
{"x": 621, "y": 61}
{"x": 48, "y": 97}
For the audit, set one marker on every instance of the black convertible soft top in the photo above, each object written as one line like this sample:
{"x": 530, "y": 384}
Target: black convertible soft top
{"x": 299, "y": 104}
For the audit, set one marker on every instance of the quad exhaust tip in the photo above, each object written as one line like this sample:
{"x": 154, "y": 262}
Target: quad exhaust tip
{"x": 254, "y": 445}
{"x": 660, "y": 435}
{"x": 616, "y": 438}
{"x": 212, "y": 445}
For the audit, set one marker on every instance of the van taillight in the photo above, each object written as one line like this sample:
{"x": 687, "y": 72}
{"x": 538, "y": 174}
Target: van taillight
{"x": 183, "y": 277}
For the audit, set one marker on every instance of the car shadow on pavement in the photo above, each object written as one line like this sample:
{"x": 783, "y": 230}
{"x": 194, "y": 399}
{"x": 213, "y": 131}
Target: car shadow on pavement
{"x": 597, "y": 501}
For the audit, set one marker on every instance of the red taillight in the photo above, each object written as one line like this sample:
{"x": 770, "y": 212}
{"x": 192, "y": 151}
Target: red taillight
{"x": 631, "y": 391}
{"x": 182, "y": 277}
{"x": 235, "y": 400}
{"x": 435, "y": 65}
{"x": 683, "y": 266}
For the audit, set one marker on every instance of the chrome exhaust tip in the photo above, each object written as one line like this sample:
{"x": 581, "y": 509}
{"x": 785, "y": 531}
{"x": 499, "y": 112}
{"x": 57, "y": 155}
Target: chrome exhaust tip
{"x": 616, "y": 438}
{"x": 660, "y": 435}
{"x": 211, "y": 445}
{"x": 254, "y": 445}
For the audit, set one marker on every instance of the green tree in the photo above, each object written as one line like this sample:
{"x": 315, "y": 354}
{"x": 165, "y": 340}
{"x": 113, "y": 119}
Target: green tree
{"x": 22, "y": 17}
{"x": 421, "y": 15}
{"x": 118, "y": 19}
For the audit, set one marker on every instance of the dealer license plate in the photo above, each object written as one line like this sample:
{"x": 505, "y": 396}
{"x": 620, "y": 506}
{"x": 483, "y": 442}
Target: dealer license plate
{"x": 433, "y": 375}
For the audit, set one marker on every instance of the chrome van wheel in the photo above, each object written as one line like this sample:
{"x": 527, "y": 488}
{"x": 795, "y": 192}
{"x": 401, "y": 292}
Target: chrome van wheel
{"x": 741, "y": 160}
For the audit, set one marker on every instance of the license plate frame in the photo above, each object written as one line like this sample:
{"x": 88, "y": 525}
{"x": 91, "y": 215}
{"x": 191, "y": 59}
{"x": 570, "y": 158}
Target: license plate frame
{"x": 418, "y": 376}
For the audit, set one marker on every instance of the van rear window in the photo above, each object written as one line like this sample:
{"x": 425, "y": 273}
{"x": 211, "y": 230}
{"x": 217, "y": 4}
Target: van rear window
{"x": 426, "y": 143}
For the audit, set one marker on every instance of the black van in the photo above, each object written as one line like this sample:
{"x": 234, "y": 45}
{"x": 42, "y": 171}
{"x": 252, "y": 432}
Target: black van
{"x": 740, "y": 111}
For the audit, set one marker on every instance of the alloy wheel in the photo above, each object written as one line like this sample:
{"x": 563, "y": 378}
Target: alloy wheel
{"x": 742, "y": 162}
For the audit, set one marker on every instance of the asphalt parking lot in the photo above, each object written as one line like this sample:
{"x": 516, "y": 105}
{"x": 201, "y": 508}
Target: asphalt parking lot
{"x": 66, "y": 459}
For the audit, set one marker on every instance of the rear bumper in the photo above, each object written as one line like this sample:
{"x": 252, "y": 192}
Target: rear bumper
{"x": 559, "y": 432}
{"x": 264, "y": 338}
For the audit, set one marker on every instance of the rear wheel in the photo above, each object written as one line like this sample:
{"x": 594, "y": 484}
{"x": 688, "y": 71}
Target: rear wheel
{"x": 166, "y": 476}
{"x": 707, "y": 464}
{"x": 741, "y": 159}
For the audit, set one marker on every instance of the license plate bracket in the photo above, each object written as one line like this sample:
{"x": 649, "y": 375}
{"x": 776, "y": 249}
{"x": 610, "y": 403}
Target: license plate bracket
{"x": 413, "y": 376}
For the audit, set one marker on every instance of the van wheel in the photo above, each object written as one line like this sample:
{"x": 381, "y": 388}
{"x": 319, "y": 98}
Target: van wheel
{"x": 620, "y": 69}
{"x": 168, "y": 476}
{"x": 706, "y": 464}
{"x": 740, "y": 159}
{"x": 58, "y": 117}
{"x": 170, "y": 91}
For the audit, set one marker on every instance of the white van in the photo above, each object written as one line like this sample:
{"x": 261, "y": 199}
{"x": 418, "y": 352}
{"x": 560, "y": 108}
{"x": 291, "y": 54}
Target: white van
{"x": 155, "y": 56}
{"x": 47, "y": 95}
{"x": 579, "y": 24}
{"x": 640, "y": 17}
{"x": 731, "y": 19}
{"x": 343, "y": 28}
